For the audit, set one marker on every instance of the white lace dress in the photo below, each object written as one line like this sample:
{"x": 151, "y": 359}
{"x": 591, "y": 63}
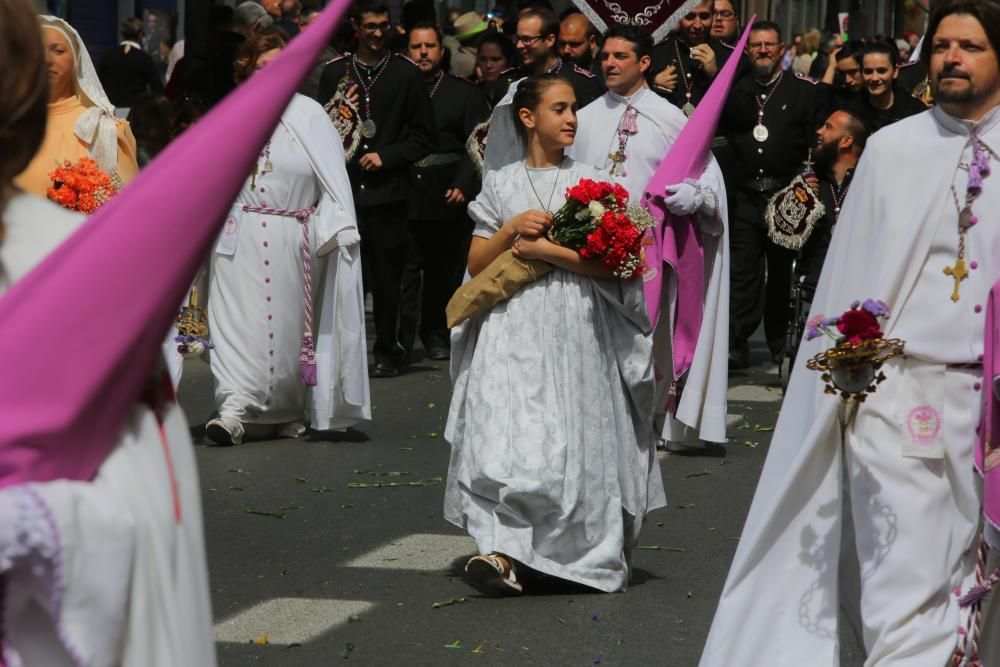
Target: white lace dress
{"x": 553, "y": 458}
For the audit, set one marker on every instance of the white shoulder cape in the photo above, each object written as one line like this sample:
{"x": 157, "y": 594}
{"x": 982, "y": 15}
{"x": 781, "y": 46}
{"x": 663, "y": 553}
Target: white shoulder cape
{"x": 341, "y": 396}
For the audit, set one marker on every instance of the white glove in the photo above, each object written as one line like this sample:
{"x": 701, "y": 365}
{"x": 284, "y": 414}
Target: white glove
{"x": 690, "y": 197}
{"x": 346, "y": 238}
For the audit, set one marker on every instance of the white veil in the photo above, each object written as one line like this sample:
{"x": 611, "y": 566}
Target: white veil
{"x": 504, "y": 143}
{"x": 96, "y": 127}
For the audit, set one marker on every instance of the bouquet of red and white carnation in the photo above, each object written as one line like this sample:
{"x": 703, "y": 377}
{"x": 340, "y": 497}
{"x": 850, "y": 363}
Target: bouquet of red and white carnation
{"x": 596, "y": 221}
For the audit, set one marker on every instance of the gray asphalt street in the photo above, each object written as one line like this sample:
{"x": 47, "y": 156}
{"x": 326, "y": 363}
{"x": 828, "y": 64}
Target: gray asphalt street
{"x": 330, "y": 551}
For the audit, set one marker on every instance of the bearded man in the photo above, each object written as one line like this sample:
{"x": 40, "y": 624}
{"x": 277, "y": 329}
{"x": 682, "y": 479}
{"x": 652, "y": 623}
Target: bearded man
{"x": 876, "y": 507}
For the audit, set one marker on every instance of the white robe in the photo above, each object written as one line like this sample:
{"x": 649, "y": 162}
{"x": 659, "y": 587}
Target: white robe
{"x": 701, "y": 411}
{"x": 101, "y": 573}
{"x": 256, "y": 303}
{"x": 903, "y": 543}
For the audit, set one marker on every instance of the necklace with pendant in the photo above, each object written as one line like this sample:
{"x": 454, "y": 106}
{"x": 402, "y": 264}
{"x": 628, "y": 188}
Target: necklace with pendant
{"x": 760, "y": 132}
{"x": 268, "y": 167}
{"x": 686, "y": 76}
{"x": 555, "y": 181}
{"x": 368, "y": 127}
{"x": 979, "y": 167}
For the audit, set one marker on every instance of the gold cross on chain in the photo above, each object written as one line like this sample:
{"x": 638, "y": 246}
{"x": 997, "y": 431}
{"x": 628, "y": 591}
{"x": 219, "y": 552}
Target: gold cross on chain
{"x": 958, "y": 273}
{"x": 617, "y": 158}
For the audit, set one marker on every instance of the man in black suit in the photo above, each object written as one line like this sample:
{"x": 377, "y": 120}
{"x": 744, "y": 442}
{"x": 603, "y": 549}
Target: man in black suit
{"x": 128, "y": 71}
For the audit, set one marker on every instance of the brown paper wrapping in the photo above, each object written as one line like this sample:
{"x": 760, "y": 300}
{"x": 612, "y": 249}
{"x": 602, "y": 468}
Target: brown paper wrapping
{"x": 497, "y": 282}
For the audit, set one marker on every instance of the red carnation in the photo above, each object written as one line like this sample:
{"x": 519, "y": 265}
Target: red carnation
{"x": 859, "y": 326}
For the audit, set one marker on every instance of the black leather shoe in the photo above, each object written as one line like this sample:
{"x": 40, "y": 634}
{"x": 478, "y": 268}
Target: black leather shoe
{"x": 739, "y": 357}
{"x": 439, "y": 353}
{"x": 382, "y": 369}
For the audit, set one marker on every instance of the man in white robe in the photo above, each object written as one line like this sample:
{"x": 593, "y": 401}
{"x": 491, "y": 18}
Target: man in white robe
{"x": 875, "y": 507}
{"x": 627, "y": 132}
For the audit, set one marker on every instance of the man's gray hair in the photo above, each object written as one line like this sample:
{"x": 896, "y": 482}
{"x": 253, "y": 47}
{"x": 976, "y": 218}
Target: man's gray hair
{"x": 251, "y": 14}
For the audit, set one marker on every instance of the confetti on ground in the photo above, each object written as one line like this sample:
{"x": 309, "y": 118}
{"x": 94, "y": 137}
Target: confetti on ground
{"x": 322, "y": 489}
{"x": 347, "y": 506}
{"x": 433, "y": 481}
{"x": 353, "y": 618}
{"x": 348, "y": 648}
{"x": 286, "y": 508}
{"x": 448, "y": 603}
{"x": 749, "y": 443}
{"x": 455, "y": 644}
{"x": 656, "y": 547}
{"x": 762, "y": 429}
{"x": 703, "y": 473}
{"x": 238, "y": 471}
{"x": 685, "y": 507}
{"x": 301, "y": 480}
{"x": 261, "y": 640}
{"x": 479, "y": 649}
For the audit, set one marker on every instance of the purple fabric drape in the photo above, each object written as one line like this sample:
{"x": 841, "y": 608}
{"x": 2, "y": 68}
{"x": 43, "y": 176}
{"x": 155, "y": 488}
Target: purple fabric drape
{"x": 675, "y": 243}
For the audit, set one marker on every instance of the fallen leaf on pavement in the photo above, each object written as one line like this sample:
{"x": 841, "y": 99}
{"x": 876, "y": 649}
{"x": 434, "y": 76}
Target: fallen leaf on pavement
{"x": 276, "y": 515}
{"x": 448, "y": 603}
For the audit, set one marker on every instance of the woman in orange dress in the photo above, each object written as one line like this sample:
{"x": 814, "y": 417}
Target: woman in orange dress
{"x": 81, "y": 121}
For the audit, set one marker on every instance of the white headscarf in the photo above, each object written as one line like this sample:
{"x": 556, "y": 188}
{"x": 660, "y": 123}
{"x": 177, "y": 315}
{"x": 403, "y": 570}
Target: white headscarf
{"x": 504, "y": 143}
{"x": 96, "y": 127}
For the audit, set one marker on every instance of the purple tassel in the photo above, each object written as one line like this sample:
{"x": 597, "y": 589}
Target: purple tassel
{"x": 978, "y": 593}
{"x": 307, "y": 361}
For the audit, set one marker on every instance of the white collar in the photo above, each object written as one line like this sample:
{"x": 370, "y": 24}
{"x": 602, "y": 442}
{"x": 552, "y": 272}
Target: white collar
{"x": 132, "y": 44}
{"x": 635, "y": 97}
{"x": 964, "y": 126}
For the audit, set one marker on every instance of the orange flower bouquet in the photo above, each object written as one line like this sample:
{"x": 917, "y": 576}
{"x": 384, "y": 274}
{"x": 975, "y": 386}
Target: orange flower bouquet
{"x": 82, "y": 186}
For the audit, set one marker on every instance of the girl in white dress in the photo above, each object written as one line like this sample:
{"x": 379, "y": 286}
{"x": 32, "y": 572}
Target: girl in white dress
{"x": 553, "y": 463}
{"x": 290, "y": 242}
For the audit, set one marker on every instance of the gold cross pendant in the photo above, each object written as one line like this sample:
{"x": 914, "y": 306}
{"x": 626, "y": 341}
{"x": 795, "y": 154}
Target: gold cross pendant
{"x": 617, "y": 158}
{"x": 958, "y": 273}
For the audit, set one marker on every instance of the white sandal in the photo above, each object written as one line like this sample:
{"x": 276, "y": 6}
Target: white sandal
{"x": 488, "y": 569}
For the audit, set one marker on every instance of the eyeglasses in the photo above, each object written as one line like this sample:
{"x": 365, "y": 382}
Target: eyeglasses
{"x": 725, "y": 15}
{"x": 527, "y": 40}
{"x": 763, "y": 46}
{"x": 376, "y": 27}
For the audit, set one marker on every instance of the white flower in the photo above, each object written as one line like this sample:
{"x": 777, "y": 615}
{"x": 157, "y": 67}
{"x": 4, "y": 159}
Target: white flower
{"x": 596, "y": 209}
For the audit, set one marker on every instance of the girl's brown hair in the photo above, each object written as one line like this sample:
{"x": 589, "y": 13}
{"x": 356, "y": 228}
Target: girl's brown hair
{"x": 24, "y": 92}
{"x": 252, "y": 49}
{"x": 529, "y": 95}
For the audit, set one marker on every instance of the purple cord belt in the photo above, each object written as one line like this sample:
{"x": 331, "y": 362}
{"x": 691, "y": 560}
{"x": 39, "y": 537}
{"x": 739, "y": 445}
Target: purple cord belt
{"x": 307, "y": 353}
